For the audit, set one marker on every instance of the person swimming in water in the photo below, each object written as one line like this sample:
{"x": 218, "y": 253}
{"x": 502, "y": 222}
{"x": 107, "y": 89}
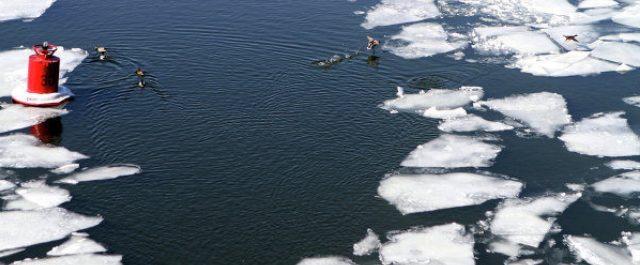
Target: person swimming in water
{"x": 372, "y": 44}
{"x": 102, "y": 53}
{"x": 570, "y": 38}
{"x": 140, "y": 74}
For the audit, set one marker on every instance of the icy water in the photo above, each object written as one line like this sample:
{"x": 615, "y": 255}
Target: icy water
{"x": 253, "y": 155}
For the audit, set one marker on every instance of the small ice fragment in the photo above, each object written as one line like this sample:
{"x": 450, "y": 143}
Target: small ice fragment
{"x": 422, "y": 40}
{"x": 82, "y": 259}
{"x": 573, "y": 63}
{"x": 393, "y": 12}
{"x": 66, "y": 169}
{"x": 23, "y": 9}
{"x": 524, "y": 262}
{"x": 625, "y": 53}
{"x": 635, "y": 101}
{"x": 441, "y": 99}
{"x": 624, "y": 184}
{"x": 471, "y": 123}
{"x": 40, "y": 193}
{"x": 79, "y": 243}
{"x": 597, "y": 3}
{"x": 102, "y": 173}
{"x": 628, "y": 16}
{"x": 328, "y": 260}
{"x": 596, "y": 253}
{"x": 603, "y": 134}
{"x": 452, "y": 151}
{"x": 624, "y": 164}
{"x": 6, "y": 185}
{"x": 14, "y": 117}
{"x": 435, "y": 113}
{"x": 25, "y": 151}
{"x": 367, "y": 245}
{"x": 444, "y": 244}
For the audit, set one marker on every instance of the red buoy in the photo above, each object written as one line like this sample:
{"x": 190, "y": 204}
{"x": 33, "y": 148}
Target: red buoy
{"x": 42, "y": 86}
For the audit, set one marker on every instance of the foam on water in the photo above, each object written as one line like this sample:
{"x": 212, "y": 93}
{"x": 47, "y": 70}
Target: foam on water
{"x": 544, "y": 112}
{"x": 14, "y": 117}
{"x": 471, "y": 123}
{"x": 624, "y": 164}
{"x": 423, "y": 193}
{"x": 83, "y": 259}
{"x": 444, "y": 245}
{"x": 25, "y": 151}
{"x": 440, "y": 99}
{"x": 26, "y": 228}
{"x": 23, "y": 9}
{"x": 603, "y": 134}
{"x": 452, "y": 151}
{"x": 527, "y": 221}
{"x": 393, "y": 12}
{"x": 329, "y": 260}
{"x": 13, "y": 70}
{"x": 369, "y": 244}
{"x": 624, "y": 184}
{"x": 101, "y": 173}
{"x": 79, "y": 243}
{"x": 39, "y": 193}
{"x": 635, "y": 101}
{"x": 596, "y": 253}
{"x": 422, "y": 40}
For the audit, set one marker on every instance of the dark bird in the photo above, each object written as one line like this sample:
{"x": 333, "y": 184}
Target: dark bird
{"x": 139, "y": 73}
{"x": 372, "y": 43}
{"x": 102, "y": 51}
{"x": 570, "y": 38}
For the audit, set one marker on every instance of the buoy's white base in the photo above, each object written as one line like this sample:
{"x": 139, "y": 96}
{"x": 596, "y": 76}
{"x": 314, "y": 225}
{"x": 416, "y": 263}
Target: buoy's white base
{"x": 21, "y": 96}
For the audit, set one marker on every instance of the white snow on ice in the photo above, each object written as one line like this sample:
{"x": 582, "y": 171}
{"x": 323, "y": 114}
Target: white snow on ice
{"x": 101, "y": 173}
{"x": 452, "y": 151}
{"x": 439, "y": 99}
{"x": 329, "y": 260}
{"x": 14, "y": 117}
{"x": 25, "y": 151}
{"x": 23, "y": 9}
{"x": 597, "y": 3}
{"x": 492, "y": 41}
{"x": 471, "y": 123}
{"x": 629, "y": 16}
{"x": 39, "y": 194}
{"x": 79, "y": 243}
{"x": 393, "y": 12}
{"x": 566, "y": 64}
{"x": 624, "y": 53}
{"x": 369, "y": 244}
{"x": 624, "y": 184}
{"x": 422, "y": 40}
{"x": 603, "y": 134}
{"x": 624, "y": 164}
{"x": 6, "y": 185}
{"x": 596, "y": 253}
{"x": 635, "y": 101}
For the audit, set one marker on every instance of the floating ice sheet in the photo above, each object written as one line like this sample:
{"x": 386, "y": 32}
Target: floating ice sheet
{"x": 83, "y": 259}
{"x": 79, "y": 243}
{"x": 39, "y": 193}
{"x": 544, "y": 112}
{"x": 547, "y": 12}
{"x": 6, "y": 185}
{"x": 23, "y": 9}
{"x": 423, "y": 193}
{"x": 452, "y": 151}
{"x": 514, "y": 42}
{"x": 25, "y": 151}
{"x": 101, "y": 173}
{"x": 596, "y": 253}
{"x": 393, "y": 12}
{"x": 632, "y": 241}
{"x": 26, "y": 228}
{"x": 422, "y": 40}
{"x": 629, "y": 16}
{"x": 471, "y": 123}
{"x": 603, "y": 134}
{"x": 444, "y": 245}
{"x": 624, "y": 184}
{"x": 624, "y": 164}
{"x": 635, "y": 101}
{"x": 65, "y": 169}
{"x": 597, "y": 3}
{"x": 13, "y": 70}
{"x": 566, "y": 64}
{"x": 329, "y": 260}
{"x": 624, "y": 37}
{"x": 440, "y": 99}
{"x": 585, "y": 34}
{"x": 14, "y": 117}
{"x": 624, "y": 53}
{"x": 369, "y": 244}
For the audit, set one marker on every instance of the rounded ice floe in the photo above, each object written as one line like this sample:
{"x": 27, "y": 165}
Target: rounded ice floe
{"x": 39, "y": 193}
{"x": 635, "y": 101}
{"x": 619, "y": 52}
{"x": 452, "y": 151}
{"x": 25, "y": 151}
{"x": 23, "y": 9}
{"x": 472, "y": 123}
{"x": 393, "y": 12}
{"x": 102, "y": 173}
{"x": 26, "y": 228}
{"x": 624, "y": 184}
{"x": 624, "y": 164}
{"x": 79, "y": 243}
{"x": 603, "y": 134}
{"x": 14, "y": 117}
{"x": 596, "y": 253}
{"x": 6, "y": 185}
{"x": 444, "y": 245}
{"x": 597, "y": 3}
{"x": 423, "y": 193}
{"x": 13, "y": 70}
{"x": 83, "y": 259}
{"x": 544, "y": 112}
{"x": 367, "y": 245}
{"x": 328, "y": 260}
{"x": 422, "y": 40}
{"x": 440, "y": 99}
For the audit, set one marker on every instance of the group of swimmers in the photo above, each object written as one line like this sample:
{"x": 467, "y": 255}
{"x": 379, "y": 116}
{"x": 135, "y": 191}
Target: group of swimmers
{"x": 102, "y": 56}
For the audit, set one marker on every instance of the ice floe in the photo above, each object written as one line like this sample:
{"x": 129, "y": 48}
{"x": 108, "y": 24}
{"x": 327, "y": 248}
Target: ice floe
{"x": 635, "y": 101}
{"x": 566, "y": 64}
{"x": 438, "y": 99}
{"x": 366, "y": 246}
{"x": 6, "y": 185}
{"x": 544, "y": 112}
{"x": 512, "y": 41}
{"x": 430, "y": 192}
{"x": 38, "y": 195}
{"x": 26, "y": 228}
{"x": 422, "y": 40}
{"x": 10, "y": 252}
{"x": 596, "y": 253}
{"x": 603, "y": 134}
{"x": 624, "y": 37}
{"x": 453, "y": 151}
{"x": 82, "y": 259}
{"x": 597, "y": 3}
{"x": 445, "y": 244}
{"x": 14, "y": 117}
{"x": 101, "y": 173}
{"x": 329, "y": 260}
{"x": 527, "y": 221}
{"x": 585, "y": 34}
{"x": 545, "y": 12}
{"x": 79, "y": 243}
{"x": 65, "y": 169}
{"x": 624, "y": 53}
{"x": 632, "y": 241}
{"x": 25, "y": 151}
{"x": 624, "y": 164}
{"x": 23, "y": 9}
{"x": 629, "y": 16}
{"x": 471, "y": 123}
{"x": 392, "y": 12}
{"x": 13, "y": 70}
{"x": 624, "y": 184}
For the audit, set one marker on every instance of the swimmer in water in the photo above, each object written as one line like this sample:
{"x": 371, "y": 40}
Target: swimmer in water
{"x": 372, "y": 44}
{"x": 102, "y": 53}
{"x": 570, "y": 38}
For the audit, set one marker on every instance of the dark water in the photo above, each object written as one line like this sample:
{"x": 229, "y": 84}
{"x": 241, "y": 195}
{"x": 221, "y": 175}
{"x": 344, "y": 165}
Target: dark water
{"x": 251, "y": 155}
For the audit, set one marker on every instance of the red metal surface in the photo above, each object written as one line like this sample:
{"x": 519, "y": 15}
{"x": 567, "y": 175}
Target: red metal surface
{"x": 44, "y": 70}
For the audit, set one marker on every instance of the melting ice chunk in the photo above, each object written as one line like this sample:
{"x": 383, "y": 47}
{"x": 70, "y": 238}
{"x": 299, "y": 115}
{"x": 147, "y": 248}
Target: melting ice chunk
{"x": 330, "y": 260}
{"x": 471, "y": 123}
{"x": 26, "y": 228}
{"x": 629, "y": 16}
{"x": 624, "y": 164}
{"x": 452, "y": 151}
{"x": 526, "y": 11}
{"x": 635, "y": 101}
{"x": 440, "y": 99}
{"x": 596, "y": 253}
{"x": 13, "y": 70}
{"x": 625, "y": 53}
{"x": 444, "y": 245}
{"x": 423, "y": 193}
{"x": 23, "y": 9}
{"x": 603, "y": 134}
{"x": 544, "y": 112}
{"x": 566, "y": 64}
{"x": 102, "y": 173}
{"x": 6, "y": 185}
{"x": 14, "y": 117}
{"x": 39, "y": 194}
{"x": 83, "y": 259}
{"x": 624, "y": 184}
{"x": 392, "y": 12}
{"x": 586, "y": 34}
{"x": 597, "y": 3}
{"x": 422, "y": 40}
{"x": 79, "y": 243}
{"x": 367, "y": 245}
{"x": 25, "y": 151}
{"x": 632, "y": 240}
{"x": 515, "y": 42}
